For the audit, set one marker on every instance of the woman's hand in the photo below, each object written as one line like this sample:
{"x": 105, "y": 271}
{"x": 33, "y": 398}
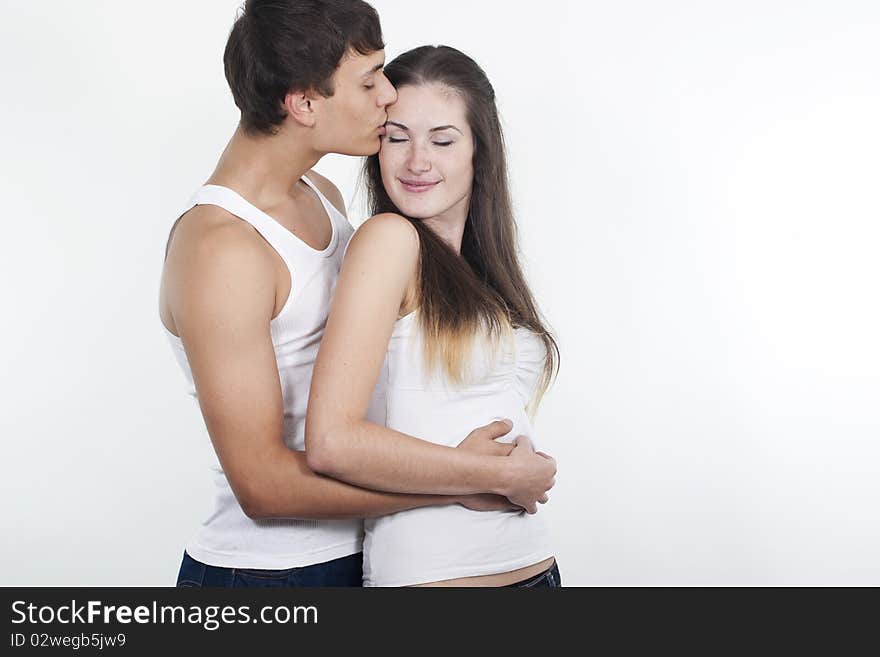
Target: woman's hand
{"x": 530, "y": 475}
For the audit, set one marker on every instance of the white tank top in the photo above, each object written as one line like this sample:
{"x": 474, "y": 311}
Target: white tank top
{"x": 445, "y": 542}
{"x": 228, "y": 538}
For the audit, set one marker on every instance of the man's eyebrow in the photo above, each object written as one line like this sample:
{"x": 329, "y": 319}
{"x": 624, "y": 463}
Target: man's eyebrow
{"x": 375, "y": 69}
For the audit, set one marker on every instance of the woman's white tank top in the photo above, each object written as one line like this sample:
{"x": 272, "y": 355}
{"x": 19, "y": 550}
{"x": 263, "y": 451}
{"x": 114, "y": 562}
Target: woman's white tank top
{"x": 446, "y": 542}
{"x": 228, "y": 538}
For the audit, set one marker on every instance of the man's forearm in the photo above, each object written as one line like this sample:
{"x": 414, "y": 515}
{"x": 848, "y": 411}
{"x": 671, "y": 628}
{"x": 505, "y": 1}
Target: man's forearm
{"x": 290, "y": 489}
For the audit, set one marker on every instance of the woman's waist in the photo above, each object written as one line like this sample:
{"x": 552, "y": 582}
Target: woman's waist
{"x": 447, "y": 420}
{"x": 435, "y": 544}
{"x": 507, "y": 578}
{"x": 454, "y": 532}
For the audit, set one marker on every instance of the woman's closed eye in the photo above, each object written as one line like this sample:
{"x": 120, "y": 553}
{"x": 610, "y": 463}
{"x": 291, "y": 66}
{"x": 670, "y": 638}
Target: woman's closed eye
{"x": 400, "y": 140}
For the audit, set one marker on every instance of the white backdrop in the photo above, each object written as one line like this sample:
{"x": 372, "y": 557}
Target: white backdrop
{"x": 696, "y": 185}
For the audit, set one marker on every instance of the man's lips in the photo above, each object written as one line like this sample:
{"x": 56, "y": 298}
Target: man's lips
{"x": 418, "y": 186}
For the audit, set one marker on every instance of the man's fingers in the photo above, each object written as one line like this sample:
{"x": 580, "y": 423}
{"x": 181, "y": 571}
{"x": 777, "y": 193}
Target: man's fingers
{"x": 523, "y": 441}
{"x": 492, "y": 430}
{"x": 502, "y": 449}
{"x": 495, "y": 429}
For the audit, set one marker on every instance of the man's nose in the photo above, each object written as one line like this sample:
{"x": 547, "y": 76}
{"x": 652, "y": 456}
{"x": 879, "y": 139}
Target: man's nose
{"x": 388, "y": 95}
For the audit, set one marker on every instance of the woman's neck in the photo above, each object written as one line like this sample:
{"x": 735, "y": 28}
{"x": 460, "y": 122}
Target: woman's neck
{"x": 449, "y": 225}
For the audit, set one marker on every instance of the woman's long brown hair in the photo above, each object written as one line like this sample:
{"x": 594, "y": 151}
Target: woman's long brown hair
{"x": 483, "y": 291}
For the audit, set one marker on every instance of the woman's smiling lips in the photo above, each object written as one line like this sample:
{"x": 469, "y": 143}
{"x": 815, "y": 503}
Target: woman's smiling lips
{"x": 418, "y": 186}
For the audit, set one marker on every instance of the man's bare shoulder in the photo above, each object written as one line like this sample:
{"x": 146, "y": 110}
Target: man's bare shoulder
{"x": 216, "y": 264}
{"x": 210, "y": 244}
{"x": 329, "y": 190}
{"x": 209, "y": 229}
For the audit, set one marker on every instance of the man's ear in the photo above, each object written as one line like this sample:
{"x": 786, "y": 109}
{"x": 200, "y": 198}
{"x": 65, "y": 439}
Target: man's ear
{"x": 299, "y": 106}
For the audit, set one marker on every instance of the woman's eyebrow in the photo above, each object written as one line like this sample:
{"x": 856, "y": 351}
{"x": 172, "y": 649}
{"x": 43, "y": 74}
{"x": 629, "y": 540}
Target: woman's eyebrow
{"x": 437, "y": 129}
{"x": 446, "y": 127}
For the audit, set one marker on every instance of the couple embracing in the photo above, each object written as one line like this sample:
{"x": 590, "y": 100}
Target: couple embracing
{"x": 368, "y": 394}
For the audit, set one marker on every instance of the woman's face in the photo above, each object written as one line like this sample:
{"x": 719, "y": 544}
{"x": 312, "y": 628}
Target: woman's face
{"x": 427, "y": 153}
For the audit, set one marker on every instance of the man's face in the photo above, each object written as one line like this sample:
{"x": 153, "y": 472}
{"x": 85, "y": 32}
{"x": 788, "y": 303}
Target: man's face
{"x": 351, "y": 121}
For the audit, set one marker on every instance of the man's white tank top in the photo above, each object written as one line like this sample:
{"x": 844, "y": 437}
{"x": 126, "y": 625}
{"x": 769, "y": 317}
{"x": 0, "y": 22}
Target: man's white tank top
{"x": 228, "y": 538}
{"x": 447, "y": 542}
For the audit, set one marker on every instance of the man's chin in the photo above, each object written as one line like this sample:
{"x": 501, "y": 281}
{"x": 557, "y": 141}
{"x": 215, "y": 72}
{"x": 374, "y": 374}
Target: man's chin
{"x": 362, "y": 150}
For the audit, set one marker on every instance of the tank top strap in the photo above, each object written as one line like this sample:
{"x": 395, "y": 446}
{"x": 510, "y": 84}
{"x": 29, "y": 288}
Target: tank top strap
{"x": 234, "y": 203}
{"x": 280, "y": 238}
{"x": 332, "y": 211}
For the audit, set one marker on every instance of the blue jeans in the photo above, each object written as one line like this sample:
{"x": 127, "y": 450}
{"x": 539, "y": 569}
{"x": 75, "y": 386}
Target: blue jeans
{"x": 346, "y": 571}
{"x": 549, "y": 578}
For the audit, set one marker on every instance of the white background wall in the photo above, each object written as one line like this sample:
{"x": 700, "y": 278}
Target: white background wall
{"x": 697, "y": 189}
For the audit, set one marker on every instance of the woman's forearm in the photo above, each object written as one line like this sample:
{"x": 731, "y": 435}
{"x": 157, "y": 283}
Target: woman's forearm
{"x": 370, "y": 455}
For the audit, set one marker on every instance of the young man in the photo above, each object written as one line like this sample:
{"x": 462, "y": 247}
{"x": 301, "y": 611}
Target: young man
{"x": 245, "y": 291}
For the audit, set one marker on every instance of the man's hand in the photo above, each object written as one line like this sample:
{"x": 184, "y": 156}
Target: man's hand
{"x": 482, "y": 440}
{"x": 487, "y": 502}
{"x": 531, "y": 475}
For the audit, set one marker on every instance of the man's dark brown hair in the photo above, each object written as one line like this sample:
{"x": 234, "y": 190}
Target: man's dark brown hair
{"x": 279, "y": 46}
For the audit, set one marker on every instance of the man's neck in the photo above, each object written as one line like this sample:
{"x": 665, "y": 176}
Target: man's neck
{"x": 263, "y": 169}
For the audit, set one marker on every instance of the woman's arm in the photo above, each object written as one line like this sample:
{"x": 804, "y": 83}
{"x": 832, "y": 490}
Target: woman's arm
{"x": 218, "y": 284}
{"x": 380, "y": 267}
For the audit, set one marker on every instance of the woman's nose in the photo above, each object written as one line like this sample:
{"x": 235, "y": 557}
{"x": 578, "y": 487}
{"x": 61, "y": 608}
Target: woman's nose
{"x": 419, "y": 162}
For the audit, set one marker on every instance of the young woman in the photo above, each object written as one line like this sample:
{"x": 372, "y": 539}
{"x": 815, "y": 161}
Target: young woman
{"x": 432, "y": 303}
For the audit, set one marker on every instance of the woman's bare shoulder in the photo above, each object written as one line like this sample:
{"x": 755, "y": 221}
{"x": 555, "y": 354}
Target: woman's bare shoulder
{"x": 388, "y": 230}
